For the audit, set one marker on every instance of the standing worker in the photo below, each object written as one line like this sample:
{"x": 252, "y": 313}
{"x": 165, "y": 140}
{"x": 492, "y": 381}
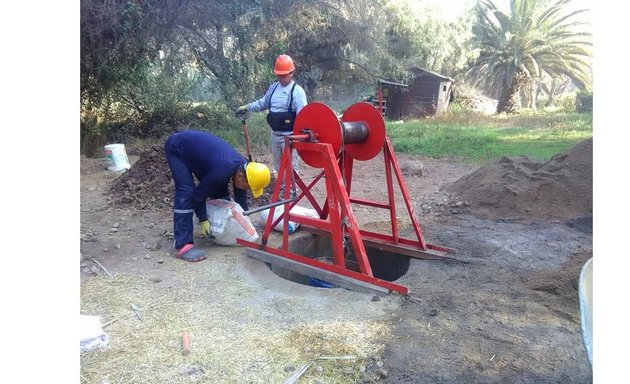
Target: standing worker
{"x": 284, "y": 99}
{"x": 213, "y": 162}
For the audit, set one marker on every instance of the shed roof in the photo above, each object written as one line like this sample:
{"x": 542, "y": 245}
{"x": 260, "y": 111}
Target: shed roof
{"x": 419, "y": 71}
{"x": 381, "y": 81}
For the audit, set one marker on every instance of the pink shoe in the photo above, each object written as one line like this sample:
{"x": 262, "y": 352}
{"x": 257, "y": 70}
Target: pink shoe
{"x": 189, "y": 253}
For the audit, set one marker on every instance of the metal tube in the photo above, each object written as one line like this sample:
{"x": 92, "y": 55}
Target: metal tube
{"x": 262, "y": 208}
{"x": 354, "y": 132}
{"x": 299, "y": 137}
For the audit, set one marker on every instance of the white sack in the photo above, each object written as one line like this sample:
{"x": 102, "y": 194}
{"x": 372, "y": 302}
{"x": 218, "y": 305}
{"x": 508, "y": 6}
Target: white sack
{"x": 91, "y": 333}
{"x": 227, "y": 222}
{"x": 293, "y": 226}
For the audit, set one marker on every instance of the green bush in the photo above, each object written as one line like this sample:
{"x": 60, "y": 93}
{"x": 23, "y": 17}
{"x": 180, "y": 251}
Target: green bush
{"x": 257, "y": 130}
{"x": 113, "y": 123}
{"x": 102, "y": 122}
{"x": 167, "y": 118}
{"x": 566, "y": 103}
{"x": 92, "y": 136}
{"x": 584, "y": 102}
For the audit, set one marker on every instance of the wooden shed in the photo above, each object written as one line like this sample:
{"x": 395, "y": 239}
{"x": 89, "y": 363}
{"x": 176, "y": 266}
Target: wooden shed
{"x": 429, "y": 94}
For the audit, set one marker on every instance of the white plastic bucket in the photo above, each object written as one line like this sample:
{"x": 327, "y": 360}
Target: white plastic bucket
{"x": 116, "y": 157}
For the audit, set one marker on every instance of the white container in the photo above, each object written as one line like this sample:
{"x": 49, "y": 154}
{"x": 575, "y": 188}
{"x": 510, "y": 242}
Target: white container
{"x": 585, "y": 294}
{"x": 116, "y": 157}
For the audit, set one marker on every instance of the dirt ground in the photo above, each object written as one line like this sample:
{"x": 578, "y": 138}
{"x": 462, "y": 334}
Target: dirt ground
{"x": 505, "y": 311}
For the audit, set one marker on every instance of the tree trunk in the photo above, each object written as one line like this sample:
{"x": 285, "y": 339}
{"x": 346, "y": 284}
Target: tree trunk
{"x": 509, "y": 102}
{"x": 533, "y": 87}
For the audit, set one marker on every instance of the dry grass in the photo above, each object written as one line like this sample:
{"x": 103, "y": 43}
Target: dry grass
{"x": 236, "y": 336}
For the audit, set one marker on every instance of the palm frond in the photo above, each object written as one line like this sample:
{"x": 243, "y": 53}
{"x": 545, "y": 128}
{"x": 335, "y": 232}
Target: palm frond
{"x": 536, "y": 38}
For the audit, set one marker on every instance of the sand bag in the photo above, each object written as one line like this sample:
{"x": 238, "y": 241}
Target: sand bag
{"x": 293, "y": 226}
{"x": 227, "y": 222}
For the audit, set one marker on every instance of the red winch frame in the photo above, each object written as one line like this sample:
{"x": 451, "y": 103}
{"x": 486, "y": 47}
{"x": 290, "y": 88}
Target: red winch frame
{"x": 324, "y": 141}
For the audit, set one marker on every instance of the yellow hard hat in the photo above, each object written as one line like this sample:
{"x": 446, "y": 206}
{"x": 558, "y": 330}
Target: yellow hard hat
{"x": 258, "y": 177}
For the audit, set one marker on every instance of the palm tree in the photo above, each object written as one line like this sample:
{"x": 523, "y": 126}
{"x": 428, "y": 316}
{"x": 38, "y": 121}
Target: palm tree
{"x": 536, "y": 38}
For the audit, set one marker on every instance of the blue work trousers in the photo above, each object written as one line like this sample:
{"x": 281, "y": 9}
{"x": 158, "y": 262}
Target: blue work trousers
{"x": 183, "y": 204}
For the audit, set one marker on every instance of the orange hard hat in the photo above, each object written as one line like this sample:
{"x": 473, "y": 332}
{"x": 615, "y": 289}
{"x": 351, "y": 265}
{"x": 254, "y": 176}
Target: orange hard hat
{"x": 284, "y": 65}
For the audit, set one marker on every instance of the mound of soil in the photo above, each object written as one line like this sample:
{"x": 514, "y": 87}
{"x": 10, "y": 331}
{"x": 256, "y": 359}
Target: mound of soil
{"x": 518, "y": 188}
{"x": 148, "y": 184}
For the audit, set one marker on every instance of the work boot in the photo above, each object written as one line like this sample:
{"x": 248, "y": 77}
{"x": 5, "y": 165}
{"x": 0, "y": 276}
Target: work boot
{"x": 189, "y": 253}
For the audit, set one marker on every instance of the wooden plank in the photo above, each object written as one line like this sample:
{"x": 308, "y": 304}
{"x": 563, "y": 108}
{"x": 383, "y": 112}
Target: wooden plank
{"x": 307, "y": 270}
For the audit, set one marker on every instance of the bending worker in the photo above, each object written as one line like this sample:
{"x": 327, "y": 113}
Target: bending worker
{"x": 284, "y": 99}
{"x": 213, "y": 162}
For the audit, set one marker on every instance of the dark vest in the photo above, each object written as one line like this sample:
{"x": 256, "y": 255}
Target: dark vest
{"x": 282, "y": 121}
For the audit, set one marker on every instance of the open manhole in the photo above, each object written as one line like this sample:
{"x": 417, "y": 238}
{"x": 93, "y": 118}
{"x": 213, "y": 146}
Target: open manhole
{"x": 385, "y": 265}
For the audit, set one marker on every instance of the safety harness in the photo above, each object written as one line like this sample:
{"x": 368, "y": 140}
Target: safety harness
{"x": 282, "y": 121}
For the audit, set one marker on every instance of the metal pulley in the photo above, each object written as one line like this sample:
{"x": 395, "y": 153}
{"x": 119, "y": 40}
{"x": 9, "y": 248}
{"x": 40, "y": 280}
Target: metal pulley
{"x": 360, "y": 133}
{"x": 324, "y": 141}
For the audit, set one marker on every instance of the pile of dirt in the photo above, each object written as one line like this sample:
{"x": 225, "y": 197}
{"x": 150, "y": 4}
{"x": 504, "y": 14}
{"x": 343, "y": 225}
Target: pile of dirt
{"x": 470, "y": 98}
{"x": 148, "y": 184}
{"x": 518, "y": 188}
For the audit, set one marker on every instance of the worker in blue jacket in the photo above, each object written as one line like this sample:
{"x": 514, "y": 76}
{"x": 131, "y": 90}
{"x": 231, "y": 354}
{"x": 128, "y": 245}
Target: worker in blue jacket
{"x": 213, "y": 162}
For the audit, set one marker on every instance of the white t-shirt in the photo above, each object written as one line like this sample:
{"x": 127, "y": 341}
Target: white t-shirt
{"x": 280, "y": 99}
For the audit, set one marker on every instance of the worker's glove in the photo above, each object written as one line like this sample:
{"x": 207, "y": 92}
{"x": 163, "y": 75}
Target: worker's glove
{"x": 241, "y": 110}
{"x": 205, "y": 228}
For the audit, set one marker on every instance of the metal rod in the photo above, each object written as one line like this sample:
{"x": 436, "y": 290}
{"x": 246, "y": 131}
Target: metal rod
{"x": 262, "y": 208}
{"x": 300, "y": 137}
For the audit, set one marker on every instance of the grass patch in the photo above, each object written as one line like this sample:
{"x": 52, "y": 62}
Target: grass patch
{"x": 480, "y": 138}
{"x": 458, "y": 133}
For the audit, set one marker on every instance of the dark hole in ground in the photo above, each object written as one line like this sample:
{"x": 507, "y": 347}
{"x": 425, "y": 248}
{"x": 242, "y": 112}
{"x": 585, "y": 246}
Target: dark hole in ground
{"x": 385, "y": 265}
